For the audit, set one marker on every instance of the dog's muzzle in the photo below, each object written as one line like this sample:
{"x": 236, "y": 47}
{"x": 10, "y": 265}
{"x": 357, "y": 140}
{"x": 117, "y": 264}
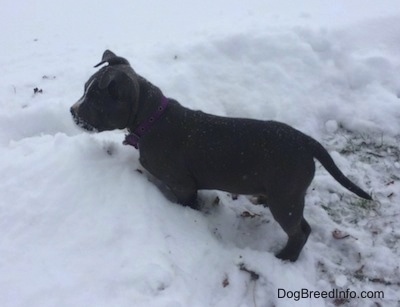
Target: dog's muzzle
{"x": 79, "y": 121}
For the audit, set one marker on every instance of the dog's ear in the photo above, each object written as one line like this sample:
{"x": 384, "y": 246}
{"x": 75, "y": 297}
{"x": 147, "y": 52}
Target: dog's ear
{"x": 112, "y": 59}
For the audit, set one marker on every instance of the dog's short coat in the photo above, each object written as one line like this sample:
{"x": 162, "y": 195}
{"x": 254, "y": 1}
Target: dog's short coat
{"x": 190, "y": 150}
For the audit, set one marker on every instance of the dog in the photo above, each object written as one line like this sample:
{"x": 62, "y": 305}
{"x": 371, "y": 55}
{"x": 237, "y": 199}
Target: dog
{"x": 190, "y": 150}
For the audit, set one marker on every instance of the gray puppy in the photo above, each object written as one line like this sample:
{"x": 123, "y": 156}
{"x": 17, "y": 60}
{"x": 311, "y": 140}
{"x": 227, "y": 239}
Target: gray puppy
{"x": 190, "y": 150}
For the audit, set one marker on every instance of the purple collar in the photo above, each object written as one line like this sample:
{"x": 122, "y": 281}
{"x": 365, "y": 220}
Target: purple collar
{"x": 134, "y": 137}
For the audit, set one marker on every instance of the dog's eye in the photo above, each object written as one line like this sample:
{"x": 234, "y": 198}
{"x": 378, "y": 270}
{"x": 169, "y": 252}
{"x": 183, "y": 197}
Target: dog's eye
{"x": 113, "y": 89}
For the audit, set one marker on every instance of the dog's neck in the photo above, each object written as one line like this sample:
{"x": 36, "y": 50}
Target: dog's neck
{"x": 149, "y": 108}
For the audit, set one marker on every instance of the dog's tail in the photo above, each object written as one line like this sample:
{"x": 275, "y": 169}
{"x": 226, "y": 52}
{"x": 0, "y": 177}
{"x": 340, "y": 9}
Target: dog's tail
{"x": 320, "y": 153}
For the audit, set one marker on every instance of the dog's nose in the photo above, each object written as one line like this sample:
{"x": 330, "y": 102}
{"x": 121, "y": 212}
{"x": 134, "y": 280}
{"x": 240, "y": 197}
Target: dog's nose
{"x": 73, "y": 111}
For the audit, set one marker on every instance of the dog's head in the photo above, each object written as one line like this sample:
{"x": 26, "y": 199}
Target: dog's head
{"x": 110, "y": 96}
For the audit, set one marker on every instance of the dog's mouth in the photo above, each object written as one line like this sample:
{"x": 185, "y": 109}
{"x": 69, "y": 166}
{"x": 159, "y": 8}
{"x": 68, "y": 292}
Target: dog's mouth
{"x": 82, "y": 123}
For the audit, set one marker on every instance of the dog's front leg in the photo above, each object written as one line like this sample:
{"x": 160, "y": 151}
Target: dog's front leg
{"x": 185, "y": 195}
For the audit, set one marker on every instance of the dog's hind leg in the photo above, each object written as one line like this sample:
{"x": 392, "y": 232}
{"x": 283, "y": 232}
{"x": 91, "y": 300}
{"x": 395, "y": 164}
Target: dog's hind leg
{"x": 289, "y": 214}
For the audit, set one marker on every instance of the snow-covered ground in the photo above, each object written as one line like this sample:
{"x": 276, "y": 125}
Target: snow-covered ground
{"x": 80, "y": 226}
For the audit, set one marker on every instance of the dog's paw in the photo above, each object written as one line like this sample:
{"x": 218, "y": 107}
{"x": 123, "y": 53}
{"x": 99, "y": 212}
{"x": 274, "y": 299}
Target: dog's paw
{"x": 287, "y": 255}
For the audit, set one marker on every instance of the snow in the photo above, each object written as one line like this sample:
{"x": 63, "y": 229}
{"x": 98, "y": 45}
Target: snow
{"x": 81, "y": 226}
